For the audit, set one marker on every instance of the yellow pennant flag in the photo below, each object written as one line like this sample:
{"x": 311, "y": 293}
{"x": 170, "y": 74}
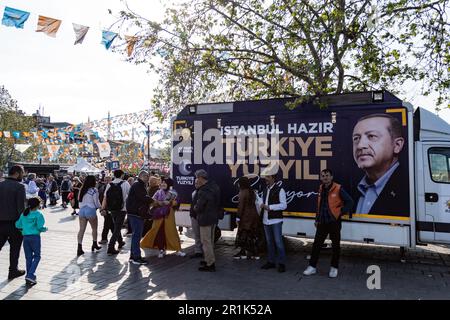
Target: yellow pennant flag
{"x": 131, "y": 42}
{"x": 48, "y": 25}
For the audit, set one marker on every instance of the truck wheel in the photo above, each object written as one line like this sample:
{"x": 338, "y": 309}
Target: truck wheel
{"x": 402, "y": 255}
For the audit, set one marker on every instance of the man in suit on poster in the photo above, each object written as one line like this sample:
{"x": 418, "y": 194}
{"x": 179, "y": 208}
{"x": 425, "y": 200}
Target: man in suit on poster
{"x": 377, "y": 143}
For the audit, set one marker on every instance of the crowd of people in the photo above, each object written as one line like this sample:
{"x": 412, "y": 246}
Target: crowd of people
{"x": 148, "y": 203}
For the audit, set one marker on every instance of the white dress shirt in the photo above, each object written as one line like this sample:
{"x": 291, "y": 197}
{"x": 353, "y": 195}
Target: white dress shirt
{"x": 274, "y": 207}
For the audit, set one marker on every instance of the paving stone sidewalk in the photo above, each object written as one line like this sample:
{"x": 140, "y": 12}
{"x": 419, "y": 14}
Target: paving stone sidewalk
{"x": 96, "y": 276}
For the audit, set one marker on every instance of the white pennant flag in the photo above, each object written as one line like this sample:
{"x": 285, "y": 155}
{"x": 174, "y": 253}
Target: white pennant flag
{"x": 104, "y": 149}
{"x": 22, "y": 147}
{"x": 52, "y": 149}
{"x": 80, "y": 32}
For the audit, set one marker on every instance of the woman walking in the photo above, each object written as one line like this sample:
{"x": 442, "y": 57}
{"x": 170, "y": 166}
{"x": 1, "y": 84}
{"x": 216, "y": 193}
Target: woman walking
{"x": 66, "y": 187}
{"x": 76, "y": 190}
{"x": 249, "y": 235}
{"x": 32, "y": 190}
{"x": 89, "y": 203}
{"x": 42, "y": 185}
{"x": 163, "y": 235}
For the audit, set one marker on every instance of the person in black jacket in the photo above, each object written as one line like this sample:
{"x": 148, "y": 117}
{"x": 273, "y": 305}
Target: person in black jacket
{"x": 138, "y": 198}
{"x": 12, "y": 204}
{"x": 207, "y": 209}
{"x": 108, "y": 224}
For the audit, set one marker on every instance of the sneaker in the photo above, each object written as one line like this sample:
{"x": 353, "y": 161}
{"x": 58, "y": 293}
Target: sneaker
{"x": 161, "y": 254}
{"x": 239, "y": 256}
{"x": 196, "y": 255}
{"x": 15, "y": 274}
{"x": 281, "y": 268}
{"x": 112, "y": 252}
{"x": 268, "y": 265}
{"x": 211, "y": 268}
{"x": 139, "y": 261}
{"x": 333, "y": 272}
{"x": 103, "y": 242}
{"x": 180, "y": 253}
{"x": 30, "y": 281}
{"x": 255, "y": 257}
{"x": 310, "y": 271}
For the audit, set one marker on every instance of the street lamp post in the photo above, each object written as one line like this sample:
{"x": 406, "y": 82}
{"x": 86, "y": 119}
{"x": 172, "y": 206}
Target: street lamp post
{"x": 148, "y": 143}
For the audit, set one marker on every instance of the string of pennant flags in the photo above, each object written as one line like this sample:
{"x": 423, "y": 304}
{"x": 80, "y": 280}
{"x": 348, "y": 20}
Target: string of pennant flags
{"x": 17, "y": 18}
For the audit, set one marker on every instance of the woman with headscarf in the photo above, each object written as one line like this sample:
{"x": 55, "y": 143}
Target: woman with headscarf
{"x": 163, "y": 235}
{"x": 249, "y": 235}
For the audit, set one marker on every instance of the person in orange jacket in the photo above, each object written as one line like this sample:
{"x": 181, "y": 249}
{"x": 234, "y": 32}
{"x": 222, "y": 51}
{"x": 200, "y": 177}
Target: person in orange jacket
{"x": 333, "y": 202}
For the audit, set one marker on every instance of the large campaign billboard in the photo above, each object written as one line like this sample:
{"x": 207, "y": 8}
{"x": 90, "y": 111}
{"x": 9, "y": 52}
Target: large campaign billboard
{"x": 366, "y": 147}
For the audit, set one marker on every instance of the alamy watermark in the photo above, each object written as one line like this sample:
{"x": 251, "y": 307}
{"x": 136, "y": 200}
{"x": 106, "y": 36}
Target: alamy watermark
{"x": 374, "y": 280}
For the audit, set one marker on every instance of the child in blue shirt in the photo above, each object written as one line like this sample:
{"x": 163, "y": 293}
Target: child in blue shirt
{"x": 31, "y": 223}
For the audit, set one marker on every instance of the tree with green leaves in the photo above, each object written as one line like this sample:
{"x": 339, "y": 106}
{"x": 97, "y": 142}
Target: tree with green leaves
{"x": 215, "y": 50}
{"x": 11, "y": 119}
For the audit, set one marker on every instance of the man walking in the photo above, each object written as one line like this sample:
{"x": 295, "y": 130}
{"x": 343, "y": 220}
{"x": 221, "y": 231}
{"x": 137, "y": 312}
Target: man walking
{"x": 333, "y": 202}
{"x": 207, "y": 209}
{"x": 12, "y": 204}
{"x": 108, "y": 224}
{"x": 198, "y": 251}
{"x": 274, "y": 203}
{"x": 116, "y": 194}
{"x": 138, "y": 200}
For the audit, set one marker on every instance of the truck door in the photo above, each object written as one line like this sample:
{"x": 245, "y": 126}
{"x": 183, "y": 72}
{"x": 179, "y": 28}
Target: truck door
{"x": 434, "y": 202}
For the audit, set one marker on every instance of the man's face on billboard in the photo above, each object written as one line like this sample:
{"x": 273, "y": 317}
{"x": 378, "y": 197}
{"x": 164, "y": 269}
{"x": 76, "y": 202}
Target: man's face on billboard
{"x": 374, "y": 148}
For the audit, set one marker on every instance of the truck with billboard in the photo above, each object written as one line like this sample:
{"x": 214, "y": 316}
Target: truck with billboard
{"x": 393, "y": 160}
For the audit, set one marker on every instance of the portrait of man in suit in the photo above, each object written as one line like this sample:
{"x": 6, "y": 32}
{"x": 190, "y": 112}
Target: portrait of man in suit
{"x": 377, "y": 143}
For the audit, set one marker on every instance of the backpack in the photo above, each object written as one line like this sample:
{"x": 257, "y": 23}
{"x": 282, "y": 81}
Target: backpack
{"x": 65, "y": 186}
{"x": 114, "y": 197}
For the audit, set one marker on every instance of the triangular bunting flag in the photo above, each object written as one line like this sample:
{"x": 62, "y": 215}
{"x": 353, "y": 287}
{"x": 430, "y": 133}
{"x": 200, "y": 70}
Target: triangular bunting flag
{"x": 131, "y": 42}
{"x": 48, "y": 25}
{"x": 80, "y": 32}
{"x": 52, "y": 149}
{"x": 22, "y": 147}
{"x": 108, "y": 38}
{"x": 14, "y": 18}
{"x": 7, "y": 134}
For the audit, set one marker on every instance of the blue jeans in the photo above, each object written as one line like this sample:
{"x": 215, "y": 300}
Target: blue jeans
{"x": 274, "y": 239}
{"x": 137, "y": 225}
{"x": 32, "y": 248}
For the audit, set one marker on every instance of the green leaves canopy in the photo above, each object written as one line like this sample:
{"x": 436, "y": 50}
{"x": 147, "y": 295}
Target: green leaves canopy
{"x": 212, "y": 50}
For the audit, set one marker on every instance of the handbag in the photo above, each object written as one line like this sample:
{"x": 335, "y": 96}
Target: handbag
{"x": 145, "y": 212}
{"x": 70, "y": 196}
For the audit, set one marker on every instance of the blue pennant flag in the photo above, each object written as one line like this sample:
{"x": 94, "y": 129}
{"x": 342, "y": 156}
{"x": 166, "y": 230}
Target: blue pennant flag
{"x": 108, "y": 38}
{"x": 14, "y": 18}
{"x": 16, "y": 134}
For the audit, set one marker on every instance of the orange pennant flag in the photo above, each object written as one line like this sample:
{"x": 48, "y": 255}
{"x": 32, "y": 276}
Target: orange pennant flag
{"x": 48, "y": 25}
{"x": 131, "y": 41}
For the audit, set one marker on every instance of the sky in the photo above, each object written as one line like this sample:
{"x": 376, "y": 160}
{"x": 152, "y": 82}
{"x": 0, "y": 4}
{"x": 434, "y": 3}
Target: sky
{"x": 74, "y": 83}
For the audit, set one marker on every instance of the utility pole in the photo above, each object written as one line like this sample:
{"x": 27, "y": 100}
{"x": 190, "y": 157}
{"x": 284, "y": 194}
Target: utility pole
{"x": 148, "y": 143}
{"x": 109, "y": 127}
